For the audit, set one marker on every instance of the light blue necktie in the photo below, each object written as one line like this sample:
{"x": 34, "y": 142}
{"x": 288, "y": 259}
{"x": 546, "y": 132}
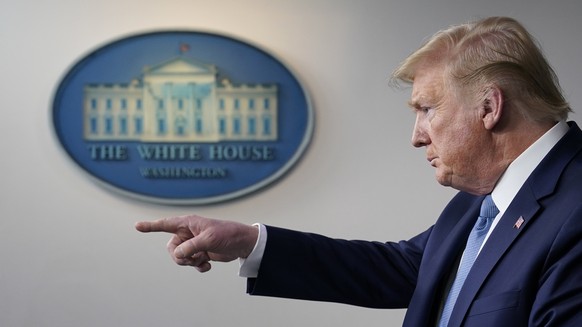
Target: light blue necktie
{"x": 488, "y": 213}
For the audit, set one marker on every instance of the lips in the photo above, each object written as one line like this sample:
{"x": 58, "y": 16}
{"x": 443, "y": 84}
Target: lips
{"x": 432, "y": 161}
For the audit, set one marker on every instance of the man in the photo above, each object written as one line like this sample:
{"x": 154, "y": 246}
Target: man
{"x": 490, "y": 113}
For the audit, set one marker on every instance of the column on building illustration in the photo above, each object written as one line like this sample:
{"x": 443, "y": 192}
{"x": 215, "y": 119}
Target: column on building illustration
{"x": 182, "y": 91}
{"x": 112, "y": 112}
{"x": 247, "y": 112}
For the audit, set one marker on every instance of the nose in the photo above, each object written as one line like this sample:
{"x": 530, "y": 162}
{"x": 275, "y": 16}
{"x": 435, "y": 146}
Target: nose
{"x": 420, "y": 137}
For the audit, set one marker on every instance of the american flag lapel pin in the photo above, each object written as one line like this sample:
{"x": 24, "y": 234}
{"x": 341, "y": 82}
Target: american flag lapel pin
{"x": 519, "y": 222}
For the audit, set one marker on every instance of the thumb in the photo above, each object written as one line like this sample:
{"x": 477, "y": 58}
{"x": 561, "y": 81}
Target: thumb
{"x": 191, "y": 246}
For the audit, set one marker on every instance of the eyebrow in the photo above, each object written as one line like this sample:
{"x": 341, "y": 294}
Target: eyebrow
{"x": 415, "y": 104}
{"x": 417, "y": 100}
{"x": 424, "y": 100}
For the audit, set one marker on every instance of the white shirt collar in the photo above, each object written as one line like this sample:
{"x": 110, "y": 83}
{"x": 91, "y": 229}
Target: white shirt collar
{"x": 522, "y": 167}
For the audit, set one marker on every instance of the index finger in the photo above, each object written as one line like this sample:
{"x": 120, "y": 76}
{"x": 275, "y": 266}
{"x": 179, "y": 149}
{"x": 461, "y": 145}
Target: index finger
{"x": 161, "y": 225}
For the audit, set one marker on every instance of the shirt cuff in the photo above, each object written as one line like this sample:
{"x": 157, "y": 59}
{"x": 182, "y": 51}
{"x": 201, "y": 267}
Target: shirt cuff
{"x": 249, "y": 266}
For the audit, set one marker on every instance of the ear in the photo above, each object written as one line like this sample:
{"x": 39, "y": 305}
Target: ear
{"x": 492, "y": 107}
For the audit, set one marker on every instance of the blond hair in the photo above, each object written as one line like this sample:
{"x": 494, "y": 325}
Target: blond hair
{"x": 493, "y": 51}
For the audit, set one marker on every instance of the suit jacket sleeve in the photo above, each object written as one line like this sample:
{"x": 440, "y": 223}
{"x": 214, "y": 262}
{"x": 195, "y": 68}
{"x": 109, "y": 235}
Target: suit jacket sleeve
{"x": 314, "y": 267}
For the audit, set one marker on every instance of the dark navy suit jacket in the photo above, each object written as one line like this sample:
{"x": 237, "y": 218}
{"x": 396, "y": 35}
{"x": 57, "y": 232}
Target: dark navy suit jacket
{"x": 526, "y": 276}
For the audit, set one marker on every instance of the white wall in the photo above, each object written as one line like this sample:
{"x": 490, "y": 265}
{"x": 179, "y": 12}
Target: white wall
{"x": 68, "y": 253}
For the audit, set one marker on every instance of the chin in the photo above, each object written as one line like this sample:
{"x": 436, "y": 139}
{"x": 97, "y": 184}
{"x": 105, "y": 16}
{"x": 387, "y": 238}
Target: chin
{"x": 443, "y": 181}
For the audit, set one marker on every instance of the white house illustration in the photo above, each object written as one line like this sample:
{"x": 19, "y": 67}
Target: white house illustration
{"x": 180, "y": 100}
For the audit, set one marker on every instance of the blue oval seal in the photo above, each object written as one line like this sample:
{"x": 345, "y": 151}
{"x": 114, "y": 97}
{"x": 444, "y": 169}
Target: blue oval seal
{"x": 182, "y": 117}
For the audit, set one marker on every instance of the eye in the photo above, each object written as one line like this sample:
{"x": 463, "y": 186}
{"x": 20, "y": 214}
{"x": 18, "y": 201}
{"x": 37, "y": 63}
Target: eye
{"x": 425, "y": 109}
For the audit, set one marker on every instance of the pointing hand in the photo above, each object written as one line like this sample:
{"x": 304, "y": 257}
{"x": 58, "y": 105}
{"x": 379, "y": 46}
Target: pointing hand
{"x": 198, "y": 240}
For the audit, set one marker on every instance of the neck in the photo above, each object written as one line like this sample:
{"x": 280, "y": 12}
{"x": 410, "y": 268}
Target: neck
{"x": 506, "y": 143}
{"x": 511, "y": 143}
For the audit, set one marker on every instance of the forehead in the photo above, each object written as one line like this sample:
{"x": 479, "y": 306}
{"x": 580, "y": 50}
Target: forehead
{"x": 427, "y": 87}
